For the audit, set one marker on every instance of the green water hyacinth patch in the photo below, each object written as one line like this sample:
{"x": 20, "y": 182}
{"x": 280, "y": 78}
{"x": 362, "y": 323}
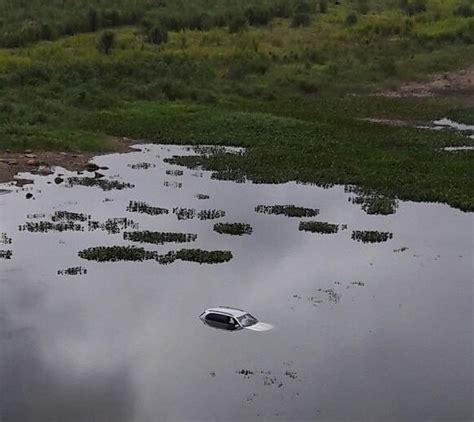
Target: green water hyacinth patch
{"x": 318, "y": 227}
{"x": 73, "y": 271}
{"x": 174, "y": 172}
{"x": 202, "y": 196}
{"x": 144, "y": 208}
{"x": 236, "y": 229}
{"x": 4, "y": 239}
{"x": 287, "y": 210}
{"x": 204, "y": 257}
{"x": 113, "y": 225}
{"x": 133, "y": 253}
{"x": 103, "y": 184}
{"x": 141, "y": 166}
{"x": 370, "y": 236}
{"x": 190, "y": 213}
{"x": 159, "y": 238}
{"x": 69, "y": 216}
{"x": 117, "y": 253}
{"x": 6, "y": 254}
{"x": 372, "y": 203}
{"x": 48, "y": 226}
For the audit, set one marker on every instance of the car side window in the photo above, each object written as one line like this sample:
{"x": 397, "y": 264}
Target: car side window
{"x": 213, "y": 317}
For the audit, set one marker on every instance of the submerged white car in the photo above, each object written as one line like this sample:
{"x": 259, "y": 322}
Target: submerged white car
{"x": 231, "y": 319}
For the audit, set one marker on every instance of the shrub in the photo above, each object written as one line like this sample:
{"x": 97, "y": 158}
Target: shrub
{"x": 464, "y": 10}
{"x": 237, "y": 24}
{"x": 323, "y": 6}
{"x": 258, "y": 16}
{"x": 351, "y": 19}
{"x": 282, "y": 9}
{"x": 413, "y": 7}
{"x": 157, "y": 35}
{"x": 92, "y": 19}
{"x": 301, "y": 19}
{"x": 106, "y": 42}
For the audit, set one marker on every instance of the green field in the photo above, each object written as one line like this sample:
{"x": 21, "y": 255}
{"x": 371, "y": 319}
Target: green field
{"x": 287, "y": 79}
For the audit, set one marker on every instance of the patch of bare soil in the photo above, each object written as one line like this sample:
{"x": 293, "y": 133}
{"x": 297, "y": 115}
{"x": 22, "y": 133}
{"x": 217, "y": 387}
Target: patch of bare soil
{"x": 43, "y": 162}
{"x": 457, "y": 83}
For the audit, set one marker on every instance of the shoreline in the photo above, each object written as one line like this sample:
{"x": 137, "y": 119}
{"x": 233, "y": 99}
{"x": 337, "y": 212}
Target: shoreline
{"x": 43, "y": 162}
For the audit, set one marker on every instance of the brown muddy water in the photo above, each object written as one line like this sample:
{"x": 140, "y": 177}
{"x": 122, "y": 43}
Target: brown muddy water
{"x": 362, "y": 331}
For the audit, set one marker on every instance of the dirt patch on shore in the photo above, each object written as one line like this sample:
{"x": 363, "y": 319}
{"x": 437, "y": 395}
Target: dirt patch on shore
{"x": 457, "y": 83}
{"x": 43, "y": 162}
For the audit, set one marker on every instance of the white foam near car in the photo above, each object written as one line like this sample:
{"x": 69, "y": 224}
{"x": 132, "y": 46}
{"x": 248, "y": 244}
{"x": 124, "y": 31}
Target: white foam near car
{"x": 232, "y": 319}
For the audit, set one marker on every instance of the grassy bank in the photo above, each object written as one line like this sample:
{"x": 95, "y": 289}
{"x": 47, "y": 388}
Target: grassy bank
{"x": 290, "y": 80}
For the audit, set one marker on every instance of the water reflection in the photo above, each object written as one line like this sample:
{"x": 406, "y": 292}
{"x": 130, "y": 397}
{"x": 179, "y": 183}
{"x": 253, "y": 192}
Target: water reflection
{"x": 361, "y": 331}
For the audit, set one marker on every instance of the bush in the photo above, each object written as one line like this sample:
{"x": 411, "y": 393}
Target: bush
{"x": 237, "y": 24}
{"x": 464, "y": 10}
{"x": 282, "y": 9}
{"x": 323, "y": 6}
{"x": 413, "y": 7}
{"x": 157, "y": 35}
{"x": 351, "y": 19}
{"x": 93, "y": 19}
{"x": 302, "y": 7}
{"x": 258, "y": 16}
{"x": 106, "y": 42}
{"x": 300, "y": 19}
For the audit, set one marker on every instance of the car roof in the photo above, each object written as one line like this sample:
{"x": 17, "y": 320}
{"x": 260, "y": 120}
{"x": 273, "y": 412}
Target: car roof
{"x": 235, "y": 312}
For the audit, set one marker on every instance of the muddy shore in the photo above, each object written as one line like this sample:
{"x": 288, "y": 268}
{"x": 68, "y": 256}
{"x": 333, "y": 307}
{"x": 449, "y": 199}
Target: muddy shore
{"x": 43, "y": 162}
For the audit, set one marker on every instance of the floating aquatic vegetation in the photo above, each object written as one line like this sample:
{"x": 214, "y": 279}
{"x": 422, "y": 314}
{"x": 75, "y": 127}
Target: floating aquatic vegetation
{"x": 358, "y": 283}
{"x": 233, "y": 228}
{"x": 104, "y": 184}
{"x": 174, "y": 185}
{"x": 197, "y": 174}
{"x": 402, "y": 249}
{"x": 116, "y": 253}
{"x": 287, "y": 210}
{"x": 73, "y": 271}
{"x": 174, "y": 172}
{"x": 113, "y": 225}
{"x": 371, "y": 202}
{"x": 159, "y": 238}
{"x": 233, "y": 175}
{"x": 4, "y": 239}
{"x": 318, "y": 227}
{"x": 201, "y": 196}
{"x": 333, "y": 296}
{"x": 143, "y": 208}
{"x": 35, "y": 216}
{"x": 69, "y": 216}
{"x": 210, "y": 149}
{"x": 210, "y": 214}
{"x": 6, "y": 254}
{"x": 245, "y": 372}
{"x": 184, "y": 213}
{"x": 204, "y": 257}
{"x": 291, "y": 374}
{"x": 141, "y": 166}
{"x": 190, "y": 213}
{"x": 319, "y": 185}
{"x": 47, "y": 226}
{"x": 371, "y": 236}
{"x": 133, "y": 253}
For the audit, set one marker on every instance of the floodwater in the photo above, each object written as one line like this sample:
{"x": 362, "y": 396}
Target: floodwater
{"x": 362, "y": 331}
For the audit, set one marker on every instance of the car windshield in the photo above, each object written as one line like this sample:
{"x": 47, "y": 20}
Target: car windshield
{"x": 247, "y": 320}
